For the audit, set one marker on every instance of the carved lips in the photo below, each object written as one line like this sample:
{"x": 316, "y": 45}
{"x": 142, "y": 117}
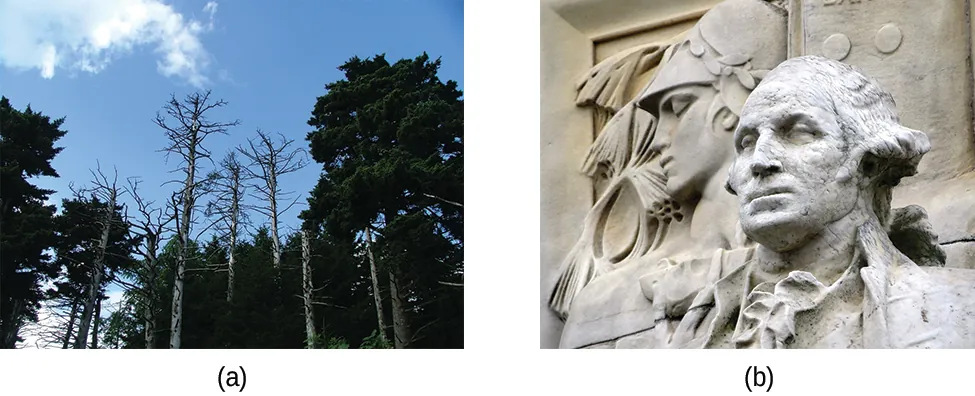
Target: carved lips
{"x": 767, "y": 198}
{"x": 664, "y": 161}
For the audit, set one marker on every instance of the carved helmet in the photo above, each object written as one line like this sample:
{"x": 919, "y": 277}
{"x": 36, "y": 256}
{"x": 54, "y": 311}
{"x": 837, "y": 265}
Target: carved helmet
{"x": 736, "y": 37}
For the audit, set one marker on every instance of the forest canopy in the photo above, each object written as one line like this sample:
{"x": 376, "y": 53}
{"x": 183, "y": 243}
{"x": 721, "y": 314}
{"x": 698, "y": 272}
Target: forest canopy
{"x": 377, "y": 261}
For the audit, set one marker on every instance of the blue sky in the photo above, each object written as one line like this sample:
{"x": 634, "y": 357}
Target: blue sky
{"x": 109, "y": 65}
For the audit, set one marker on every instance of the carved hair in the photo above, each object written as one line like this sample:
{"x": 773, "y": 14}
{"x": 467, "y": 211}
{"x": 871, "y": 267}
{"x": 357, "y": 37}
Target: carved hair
{"x": 732, "y": 76}
{"x": 880, "y": 147}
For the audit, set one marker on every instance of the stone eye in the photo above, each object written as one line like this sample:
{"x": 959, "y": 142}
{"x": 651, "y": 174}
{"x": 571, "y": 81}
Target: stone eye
{"x": 680, "y": 104}
{"x": 800, "y": 134}
{"x": 747, "y": 142}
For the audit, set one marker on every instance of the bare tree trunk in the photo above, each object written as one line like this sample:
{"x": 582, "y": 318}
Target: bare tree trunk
{"x": 185, "y": 140}
{"x": 67, "y": 334}
{"x": 177, "y": 311}
{"x": 230, "y": 269}
{"x": 375, "y": 286}
{"x": 96, "y": 319}
{"x": 272, "y": 161}
{"x": 184, "y": 241}
{"x": 233, "y": 245}
{"x": 150, "y": 296}
{"x": 11, "y": 326}
{"x": 306, "y": 287}
{"x": 401, "y": 325}
{"x": 227, "y": 207}
{"x": 272, "y": 183}
{"x": 96, "y": 279}
{"x": 150, "y": 331}
{"x": 149, "y": 228}
{"x": 151, "y": 293}
{"x": 79, "y": 342}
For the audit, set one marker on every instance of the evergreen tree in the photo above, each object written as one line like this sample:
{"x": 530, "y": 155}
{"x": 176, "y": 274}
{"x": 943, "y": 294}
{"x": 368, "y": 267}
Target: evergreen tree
{"x": 79, "y": 229}
{"x": 27, "y": 148}
{"x": 390, "y": 141}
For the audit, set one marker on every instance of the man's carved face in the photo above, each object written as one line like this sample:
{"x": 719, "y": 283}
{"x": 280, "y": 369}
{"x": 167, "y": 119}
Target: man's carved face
{"x": 790, "y": 151}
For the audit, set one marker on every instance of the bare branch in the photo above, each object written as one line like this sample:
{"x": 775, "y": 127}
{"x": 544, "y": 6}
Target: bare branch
{"x": 192, "y": 126}
{"x": 457, "y": 204}
{"x": 327, "y": 304}
{"x": 415, "y": 333}
{"x": 269, "y": 160}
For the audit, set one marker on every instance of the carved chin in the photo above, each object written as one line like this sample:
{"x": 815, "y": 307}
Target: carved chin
{"x": 678, "y": 188}
{"x": 777, "y": 230}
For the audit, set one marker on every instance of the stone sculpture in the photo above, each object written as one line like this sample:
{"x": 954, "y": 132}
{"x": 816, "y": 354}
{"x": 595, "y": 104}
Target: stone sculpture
{"x": 819, "y": 149}
{"x": 675, "y": 183}
{"x": 665, "y": 261}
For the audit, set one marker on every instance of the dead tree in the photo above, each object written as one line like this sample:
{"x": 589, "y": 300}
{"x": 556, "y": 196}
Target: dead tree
{"x": 446, "y": 201}
{"x": 308, "y": 292}
{"x": 49, "y": 331}
{"x": 402, "y": 336}
{"x": 108, "y": 193}
{"x": 269, "y": 161}
{"x": 375, "y": 286}
{"x": 186, "y": 135}
{"x": 306, "y": 289}
{"x": 96, "y": 320}
{"x": 148, "y": 226}
{"x": 70, "y": 330}
{"x": 228, "y": 207}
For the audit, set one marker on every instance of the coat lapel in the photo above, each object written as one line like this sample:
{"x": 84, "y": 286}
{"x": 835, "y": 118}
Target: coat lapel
{"x": 896, "y": 290}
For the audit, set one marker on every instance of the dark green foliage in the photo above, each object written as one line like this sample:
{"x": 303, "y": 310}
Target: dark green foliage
{"x": 374, "y": 341}
{"x": 122, "y": 327}
{"x": 336, "y": 343}
{"x": 390, "y": 141}
{"x": 425, "y": 257}
{"x": 79, "y": 230}
{"x": 385, "y": 136}
{"x": 206, "y": 291}
{"x": 265, "y": 311}
{"x": 26, "y": 225}
{"x": 343, "y": 274}
{"x": 78, "y": 234}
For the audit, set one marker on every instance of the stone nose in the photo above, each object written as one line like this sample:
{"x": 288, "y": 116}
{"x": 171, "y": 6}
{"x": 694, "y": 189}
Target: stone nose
{"x": 661, "y": 136}
{"x": 764, "y": 161}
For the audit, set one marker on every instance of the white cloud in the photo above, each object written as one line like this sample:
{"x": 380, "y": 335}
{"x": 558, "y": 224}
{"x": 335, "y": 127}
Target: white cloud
{"x": 210, "y": 8}
{"x": 88, "y": 35}
{"x": 49, "y": 60}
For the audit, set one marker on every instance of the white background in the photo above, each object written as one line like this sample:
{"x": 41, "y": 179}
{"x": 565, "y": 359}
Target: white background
{"x": 502, "y": 354}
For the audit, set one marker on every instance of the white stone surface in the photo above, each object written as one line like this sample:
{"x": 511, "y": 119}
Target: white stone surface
{"x": 819, "y": 148}
{"x": 665, "y": 108}
{"x": 566, "y": 135}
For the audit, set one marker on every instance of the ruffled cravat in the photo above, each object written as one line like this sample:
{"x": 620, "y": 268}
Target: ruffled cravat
{"x": 768, "y": 320}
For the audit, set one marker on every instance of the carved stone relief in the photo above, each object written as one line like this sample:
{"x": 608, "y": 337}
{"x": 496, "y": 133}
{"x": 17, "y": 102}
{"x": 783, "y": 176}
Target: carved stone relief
{"x": 920, "y": 51}
{"x": 819, "y": 147}
{"x": 664, "y": 229}
{"x": 664, "y": 156}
